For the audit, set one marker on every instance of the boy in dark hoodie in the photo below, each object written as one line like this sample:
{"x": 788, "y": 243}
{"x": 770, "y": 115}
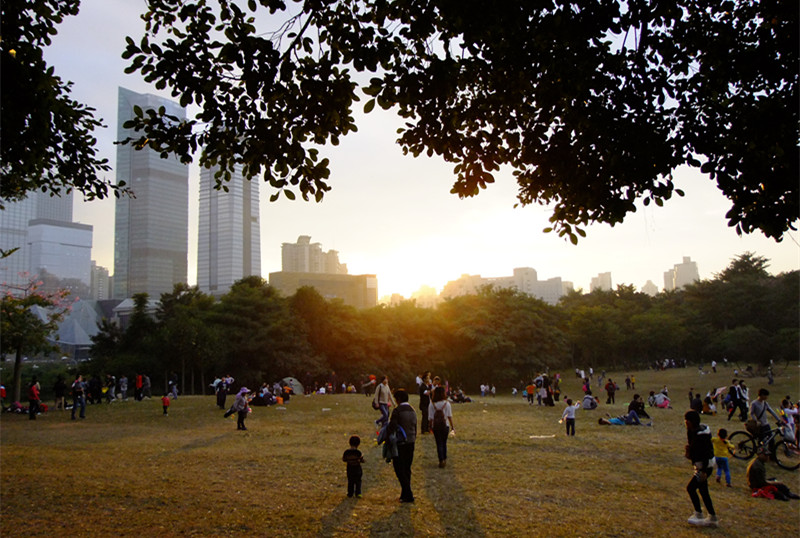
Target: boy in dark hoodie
{"x": 701, "y": 453}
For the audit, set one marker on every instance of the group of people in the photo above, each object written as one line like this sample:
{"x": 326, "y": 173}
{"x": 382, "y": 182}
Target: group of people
{"x": 398, "y": 430}
{"x": 704, "y": 451}
{"x": 544, "y": 390}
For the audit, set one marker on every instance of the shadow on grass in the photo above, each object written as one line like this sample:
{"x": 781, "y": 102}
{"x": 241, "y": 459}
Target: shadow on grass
{"x": 455, "y": 508}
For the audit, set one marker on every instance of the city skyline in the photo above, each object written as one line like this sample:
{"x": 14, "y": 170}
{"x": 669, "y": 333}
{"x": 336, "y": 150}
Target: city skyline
{"x": 393, "y": 216}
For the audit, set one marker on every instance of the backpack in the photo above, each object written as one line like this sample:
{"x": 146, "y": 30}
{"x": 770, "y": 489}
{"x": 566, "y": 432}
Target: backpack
{"x": 439, "y": 421}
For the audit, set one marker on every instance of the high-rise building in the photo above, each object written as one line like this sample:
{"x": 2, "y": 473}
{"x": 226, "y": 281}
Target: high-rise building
{"x": 681, "y": 275}
{"x": 229, "y": 233}
{"x": 601, "y": 282}
{"x": 40, "y": 227}
{"x": 525, "y": 280}
{"x": 100, "y": 285}
{"x": 307, "y": 257}
{"x": 151, "y": 228}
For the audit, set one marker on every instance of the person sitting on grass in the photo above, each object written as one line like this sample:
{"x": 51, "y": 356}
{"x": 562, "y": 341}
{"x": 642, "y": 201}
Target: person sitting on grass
{"x": 630, "y": 419}
{"x": 637, "y": 404}
{"x": 589, "y": 401}
{"x": 760, "y": 485}
{"x": 659, "y": 400}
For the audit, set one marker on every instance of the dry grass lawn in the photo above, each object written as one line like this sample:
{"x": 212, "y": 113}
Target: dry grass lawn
{"x": 128, "y": 471}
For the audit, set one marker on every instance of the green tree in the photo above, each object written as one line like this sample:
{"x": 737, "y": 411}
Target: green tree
{"x": 28, "y": 317}
{"x": 592, "y": 103}
{"x": 263, "y": 340}
{"x": 47, "y": 137}
{"x": 185, "y": 335}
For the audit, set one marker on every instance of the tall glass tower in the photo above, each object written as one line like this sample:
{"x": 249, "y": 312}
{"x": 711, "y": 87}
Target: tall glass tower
{"x": 229, "y": 234}
{"x": 151, "y": 229}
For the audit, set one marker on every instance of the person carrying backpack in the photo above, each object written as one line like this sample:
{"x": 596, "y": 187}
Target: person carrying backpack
{"x": 440, "y": 414}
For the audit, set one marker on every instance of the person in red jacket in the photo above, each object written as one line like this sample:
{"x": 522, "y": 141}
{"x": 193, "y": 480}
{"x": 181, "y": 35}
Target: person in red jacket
{"x": 33, "y": 399}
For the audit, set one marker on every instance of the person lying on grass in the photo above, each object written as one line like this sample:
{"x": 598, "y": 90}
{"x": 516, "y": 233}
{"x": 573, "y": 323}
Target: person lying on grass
{"x": 631, "y": 419}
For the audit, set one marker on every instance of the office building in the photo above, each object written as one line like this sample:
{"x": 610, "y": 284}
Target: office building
{"x": 100, "y": 283}
{"x": 307, "y": 257}
{"x": 359, "y": 291}
{"x": 525, "y": 280}
{"x": 681, "y": 275}
{"x": 229, "y": 232}
{"x": 151, "y": 228}
{"x": 601, "y": 282}
{"x": 40, "y": 227}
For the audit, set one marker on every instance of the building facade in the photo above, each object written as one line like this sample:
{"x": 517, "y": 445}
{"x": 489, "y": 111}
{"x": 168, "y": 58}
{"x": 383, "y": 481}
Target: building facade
{"x": 601, "y": 282}
{"x": 151, "y": 228}
{"x": 525, "y": 280}
{"x": 229, "y": 233}
{"x": 681, "y": 275}
{"x": 40, "y": 227}
{"x": 307, "y": 257}
{"x": 359, "y": 291}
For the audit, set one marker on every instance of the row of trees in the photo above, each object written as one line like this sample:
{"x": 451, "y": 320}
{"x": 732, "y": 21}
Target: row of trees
{"x": 497, "y": 335}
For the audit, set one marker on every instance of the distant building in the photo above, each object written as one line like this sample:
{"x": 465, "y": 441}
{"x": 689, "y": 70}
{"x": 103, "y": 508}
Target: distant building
{"x": 525, "y": 280}
{"x": 100, "y": 283}
{"x": 48, "y": 242}
{"x": 681, "y": 275}
{"x": 307, "y": 257}
{"x": 151, "y": 229}
{"x": 426, "y": 297}
{"x": 650, "y": 289}
{"x": 601, "y": 282}
{"x": 63, "y": 249}
{"x": 229, "y": 232}
{"x": 359, "y": 291}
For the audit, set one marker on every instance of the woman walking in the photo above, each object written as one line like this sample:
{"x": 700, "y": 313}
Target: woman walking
{"x": 383, "y": 398}
{"x": 439, "y": 415}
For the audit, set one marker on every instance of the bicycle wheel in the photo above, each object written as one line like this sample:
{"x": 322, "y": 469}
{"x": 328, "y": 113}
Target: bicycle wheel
{"x": 787, "y": 456}
{"x": 745, "y": 445}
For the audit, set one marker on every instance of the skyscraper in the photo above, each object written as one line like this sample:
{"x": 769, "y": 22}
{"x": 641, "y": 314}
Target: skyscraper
{"x": 151, "y": 228}
{"x": 229, "y": 233}
{"x": 41, "y": 228}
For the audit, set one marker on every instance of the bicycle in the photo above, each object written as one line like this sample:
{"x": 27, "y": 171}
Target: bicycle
{"x": 785, "y": 454}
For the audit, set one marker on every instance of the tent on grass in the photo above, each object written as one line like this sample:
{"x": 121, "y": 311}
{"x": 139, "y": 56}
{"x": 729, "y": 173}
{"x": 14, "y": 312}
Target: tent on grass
{"x": 296, "y": 386}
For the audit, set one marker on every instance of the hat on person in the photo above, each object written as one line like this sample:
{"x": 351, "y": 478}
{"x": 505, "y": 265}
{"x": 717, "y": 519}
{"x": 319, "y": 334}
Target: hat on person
{"x": 243, "y": 390}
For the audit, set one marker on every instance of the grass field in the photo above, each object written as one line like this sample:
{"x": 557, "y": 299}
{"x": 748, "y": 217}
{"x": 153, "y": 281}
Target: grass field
{"x": 128, "y": 471}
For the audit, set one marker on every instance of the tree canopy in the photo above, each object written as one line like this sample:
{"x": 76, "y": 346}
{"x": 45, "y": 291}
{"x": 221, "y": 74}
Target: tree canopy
{"x": 592, "y": 103}
{"x": 47, "y": 136}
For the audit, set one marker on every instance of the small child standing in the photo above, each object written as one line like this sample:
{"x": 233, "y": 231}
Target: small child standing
{"x": 569, "y": 416}
{"x": 165, "y": 404}
{"x": 722, "y": 448}
{"x": 352, "y": 456}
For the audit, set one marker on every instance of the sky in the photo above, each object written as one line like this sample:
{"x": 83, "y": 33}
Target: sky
{"x": 393, "y": 215}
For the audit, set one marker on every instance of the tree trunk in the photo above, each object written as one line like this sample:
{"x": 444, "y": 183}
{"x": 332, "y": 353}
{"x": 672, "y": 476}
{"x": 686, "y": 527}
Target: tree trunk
{"x": 17, "y": 389}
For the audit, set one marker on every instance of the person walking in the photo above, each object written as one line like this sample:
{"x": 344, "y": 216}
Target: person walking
{"x": 404, "y": 416}
{"x": 700, "y": 452}
{"x": 353, "y": 457}
{"x": 440, "y": 413}
{"x": 240, "y": 405}
{"x": 383, "y": 398}
{"x": 78, "y": 396}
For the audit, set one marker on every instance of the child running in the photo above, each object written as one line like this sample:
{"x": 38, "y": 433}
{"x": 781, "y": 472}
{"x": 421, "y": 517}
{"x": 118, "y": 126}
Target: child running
{"x": 569, "y": 416}
{"x": 722, "y": 447}
{"x": 165, "y": 404}
{"x": 353, "y": 457}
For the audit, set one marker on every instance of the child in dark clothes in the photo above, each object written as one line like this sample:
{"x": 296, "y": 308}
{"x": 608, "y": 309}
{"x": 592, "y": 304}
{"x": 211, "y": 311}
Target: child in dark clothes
{"x": 352, "y": 456}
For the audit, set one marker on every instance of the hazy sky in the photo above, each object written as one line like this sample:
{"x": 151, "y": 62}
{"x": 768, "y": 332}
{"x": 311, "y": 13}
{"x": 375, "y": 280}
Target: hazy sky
{"x": 393, "y": 215}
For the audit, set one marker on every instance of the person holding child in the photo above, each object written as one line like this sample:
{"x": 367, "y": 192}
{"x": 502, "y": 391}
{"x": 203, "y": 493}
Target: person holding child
{"x": 700, "y": 451}
{"x": 353, "y": 457}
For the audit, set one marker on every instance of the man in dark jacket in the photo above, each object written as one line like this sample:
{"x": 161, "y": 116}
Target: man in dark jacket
{"x": 404, "y": 416}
